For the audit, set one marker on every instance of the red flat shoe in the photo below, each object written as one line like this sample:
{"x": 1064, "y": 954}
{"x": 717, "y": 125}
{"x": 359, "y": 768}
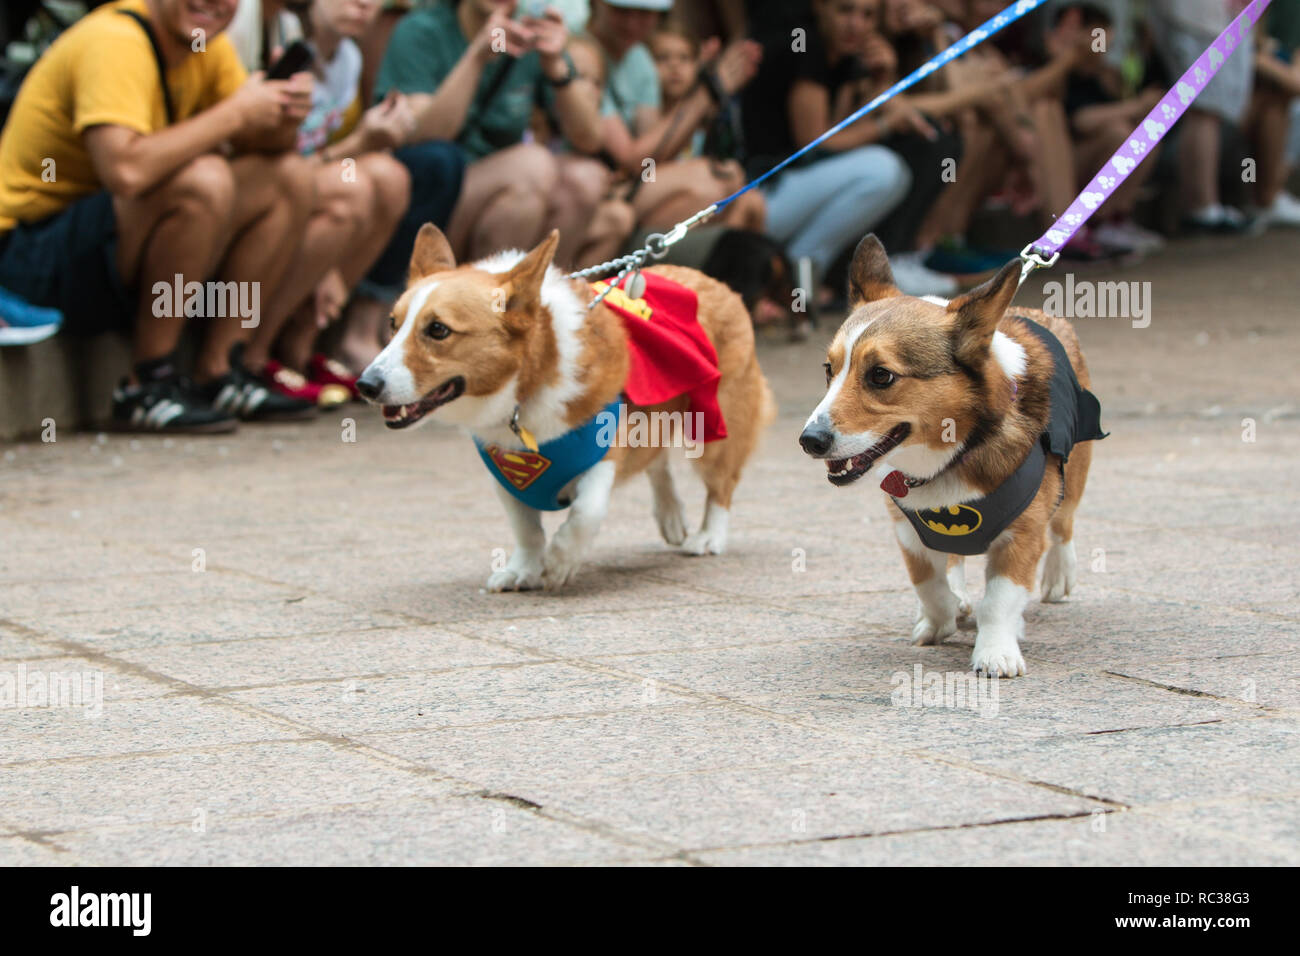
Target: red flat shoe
{"x": 326, "y": 372}
{"x": 287, "y": 381}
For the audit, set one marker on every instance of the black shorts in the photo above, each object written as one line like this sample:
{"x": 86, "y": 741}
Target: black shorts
{"x": 68, "y": 261}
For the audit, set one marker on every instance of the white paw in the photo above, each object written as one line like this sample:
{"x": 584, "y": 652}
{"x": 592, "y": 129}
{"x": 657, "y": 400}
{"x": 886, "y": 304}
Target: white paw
{"x": 705, "y": 541}
{"x": 672, "y": 524}
{"x": 928, "y": 631}
{"x": 560, "y": 566}
{"x": 1060, "y": 570}
{"x": 997, "y": 658}
{"x": 964, "y": 606}
{"x": 522, "y": 578}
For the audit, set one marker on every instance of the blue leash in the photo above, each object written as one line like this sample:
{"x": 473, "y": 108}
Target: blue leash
{"x": 657, "y": 245}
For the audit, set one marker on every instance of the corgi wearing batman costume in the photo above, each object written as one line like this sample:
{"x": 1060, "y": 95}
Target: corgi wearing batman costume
{"x": 980, "y": 418}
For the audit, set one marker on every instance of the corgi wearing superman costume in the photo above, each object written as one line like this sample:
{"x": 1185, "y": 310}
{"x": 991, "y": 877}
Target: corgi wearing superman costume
{"x": 508, "y": 349}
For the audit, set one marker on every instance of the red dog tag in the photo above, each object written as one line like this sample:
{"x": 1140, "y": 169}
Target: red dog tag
{"x": 895, "y": 484}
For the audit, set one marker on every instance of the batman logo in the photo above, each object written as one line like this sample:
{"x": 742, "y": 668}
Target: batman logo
{"x": 954, "y": 520}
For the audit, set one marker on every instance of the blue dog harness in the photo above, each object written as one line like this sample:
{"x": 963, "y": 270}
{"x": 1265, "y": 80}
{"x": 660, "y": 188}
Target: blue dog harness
{"x": 537, "y": 478}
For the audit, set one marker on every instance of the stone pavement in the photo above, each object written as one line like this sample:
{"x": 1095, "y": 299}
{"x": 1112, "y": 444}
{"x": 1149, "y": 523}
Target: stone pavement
{"x": 335, "y": 686}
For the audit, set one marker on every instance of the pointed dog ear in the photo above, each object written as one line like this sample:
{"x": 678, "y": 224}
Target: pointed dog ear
{"x": 870, "y": 277}
{"x": 523, "y": 283}
{"x": 432, "y": 253}
{"x": 980, "y": 310}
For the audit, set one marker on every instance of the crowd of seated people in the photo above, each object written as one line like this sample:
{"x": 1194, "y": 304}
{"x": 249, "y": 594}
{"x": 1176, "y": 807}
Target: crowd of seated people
{"x": 280, "y": 155}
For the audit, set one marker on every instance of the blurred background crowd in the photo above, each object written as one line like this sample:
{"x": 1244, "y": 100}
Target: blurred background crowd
{"x": 500, "y": 120}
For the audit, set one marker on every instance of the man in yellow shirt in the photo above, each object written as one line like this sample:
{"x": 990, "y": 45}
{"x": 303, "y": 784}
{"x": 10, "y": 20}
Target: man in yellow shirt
{"x": 118, "y": 203}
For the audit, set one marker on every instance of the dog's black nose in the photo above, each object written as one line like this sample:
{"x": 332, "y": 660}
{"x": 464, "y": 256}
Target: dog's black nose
{"x": 816, "y": 439}
{"x": 370, "y": 385}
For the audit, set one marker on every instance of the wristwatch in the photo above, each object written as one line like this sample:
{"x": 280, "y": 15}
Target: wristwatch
{"x": 570, "y": 75}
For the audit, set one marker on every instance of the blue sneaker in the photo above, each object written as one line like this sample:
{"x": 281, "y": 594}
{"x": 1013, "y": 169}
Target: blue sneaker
{"x": 22, "y": 323}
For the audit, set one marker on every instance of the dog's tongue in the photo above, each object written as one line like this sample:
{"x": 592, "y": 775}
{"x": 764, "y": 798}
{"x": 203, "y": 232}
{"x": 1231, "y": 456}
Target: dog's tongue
{"x": 894, "y": 484}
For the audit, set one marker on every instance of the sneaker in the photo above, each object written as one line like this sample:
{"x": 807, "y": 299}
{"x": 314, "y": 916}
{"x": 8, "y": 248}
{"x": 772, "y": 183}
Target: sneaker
{"x": 955, "y": 258}
{"x": 1285, "y": 211}
{"x": 1085, "y": 247}
{"x": 241, "y": 393}
{"x": 166, "y": 405}
{"x": 1128, "y": 236}
{"x": 913, "y": 278}
{"x": 326, "y": 371}
{"x": 1219, "y": 220}
{"x": 22, "y": 323}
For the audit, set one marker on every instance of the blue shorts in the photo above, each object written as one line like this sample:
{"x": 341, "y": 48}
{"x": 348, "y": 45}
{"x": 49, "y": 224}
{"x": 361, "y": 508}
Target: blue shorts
{"x": 68, "y": 261}
{"x": 437, "y": 171}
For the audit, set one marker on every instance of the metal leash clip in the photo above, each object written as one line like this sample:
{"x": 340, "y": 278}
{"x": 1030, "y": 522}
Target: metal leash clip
{"x": 1032, "y": 260}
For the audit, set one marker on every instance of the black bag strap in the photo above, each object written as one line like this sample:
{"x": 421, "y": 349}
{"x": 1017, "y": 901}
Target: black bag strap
{"x": 158, "y": 58}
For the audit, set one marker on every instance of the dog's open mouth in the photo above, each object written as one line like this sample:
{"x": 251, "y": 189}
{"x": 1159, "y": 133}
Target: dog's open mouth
{"x": 404, "y": 416}
{"x": 845, "y": 471}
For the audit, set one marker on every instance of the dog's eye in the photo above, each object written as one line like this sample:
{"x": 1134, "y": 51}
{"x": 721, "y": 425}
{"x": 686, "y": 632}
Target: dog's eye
{"x": 829, "y": 373}
{"x": 436, "y": 330}
{"x": 880, "y": 377}
{"x": 392, "y": 322}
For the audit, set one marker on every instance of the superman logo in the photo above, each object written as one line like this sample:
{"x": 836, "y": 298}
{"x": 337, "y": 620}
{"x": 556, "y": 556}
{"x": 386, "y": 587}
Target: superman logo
{"x": 520, "y": 468}
{"x": 953, "y": 520}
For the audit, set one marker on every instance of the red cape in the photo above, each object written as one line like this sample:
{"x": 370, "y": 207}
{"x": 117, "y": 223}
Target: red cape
{"x": 668, "y": 351}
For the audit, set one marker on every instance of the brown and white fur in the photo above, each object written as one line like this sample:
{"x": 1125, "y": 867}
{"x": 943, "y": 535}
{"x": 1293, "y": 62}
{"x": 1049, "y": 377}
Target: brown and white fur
{"x": 964, "y": 367}
{"x": 515, "y": 331}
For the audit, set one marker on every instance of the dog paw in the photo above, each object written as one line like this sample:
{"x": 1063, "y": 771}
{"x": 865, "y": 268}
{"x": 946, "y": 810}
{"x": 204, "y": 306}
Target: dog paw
{"x": 964, "y": 606}
{"x": 1059, "y": 572}
{"x": 559, "y": 568}
{"x": 672, "y": 525}
{"x": 705, "y": 541}
{"x": 927, "y": 631}
{"x": 515, "y": 579}
{"x": 997, "y": 659}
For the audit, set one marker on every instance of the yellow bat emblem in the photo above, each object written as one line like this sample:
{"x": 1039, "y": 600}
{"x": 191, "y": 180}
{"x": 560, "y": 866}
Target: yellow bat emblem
{"x": 954, "y": 520}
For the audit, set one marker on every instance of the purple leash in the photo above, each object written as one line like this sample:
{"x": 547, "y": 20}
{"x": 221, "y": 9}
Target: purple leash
{"x": 1044, "y": 252}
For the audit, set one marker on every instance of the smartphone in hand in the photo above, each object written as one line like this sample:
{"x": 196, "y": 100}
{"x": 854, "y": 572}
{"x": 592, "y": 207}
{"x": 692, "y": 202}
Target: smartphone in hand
{"x": 296, "y": 58}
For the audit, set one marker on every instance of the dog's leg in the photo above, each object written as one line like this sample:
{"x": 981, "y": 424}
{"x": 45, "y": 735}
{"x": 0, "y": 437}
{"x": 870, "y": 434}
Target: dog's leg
{"x": 957, "y": 584}
{"x": 1000, "y": 617}
{"x": 1060, "y": 568}
{"x": 669, "y": 511}
{"x": 719, "y": 467}
{"x": 523, "y": 572}
{"x": 570, "y": 544}
{"x": 936, "y": 618}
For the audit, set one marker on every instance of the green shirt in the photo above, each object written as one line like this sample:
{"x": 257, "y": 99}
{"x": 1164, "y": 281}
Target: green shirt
{"x": 426, "y": 46}
{"x": 633, "y": 83}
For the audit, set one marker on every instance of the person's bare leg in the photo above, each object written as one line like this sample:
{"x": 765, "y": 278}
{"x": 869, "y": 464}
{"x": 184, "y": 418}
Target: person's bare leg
{"x": 746, "y": 212}
{"x": 180, "y": 227}
{"x": 580, "y": 186}
{"x": 338, "y": 218}
{"x": 273, "y": 198}
{"x": 365, "y": 315}
{"x": 503, "y": 202}
{"x": 1198, "y": 159}
{"x": 1271, "y": 121}
{"x": 1054, "y": 165}
{"x": 984, "y": 160}
{"x": 681, "y": 189}
{"x": 611, "y": 225}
